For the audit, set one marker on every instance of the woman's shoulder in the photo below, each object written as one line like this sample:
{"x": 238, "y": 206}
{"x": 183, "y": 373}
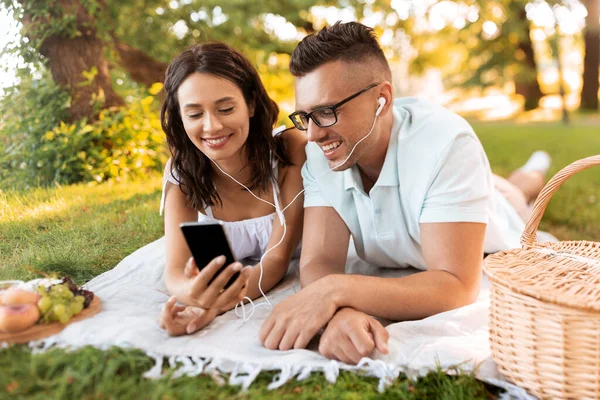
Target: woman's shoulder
{"x": 295, "y": 142}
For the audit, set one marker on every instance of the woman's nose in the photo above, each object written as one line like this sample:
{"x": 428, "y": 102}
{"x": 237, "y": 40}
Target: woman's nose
{"x": 212, "y": 123}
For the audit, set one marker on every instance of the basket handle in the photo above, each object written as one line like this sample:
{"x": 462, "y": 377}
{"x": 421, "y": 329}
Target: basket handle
{"x": 528, "y": 238}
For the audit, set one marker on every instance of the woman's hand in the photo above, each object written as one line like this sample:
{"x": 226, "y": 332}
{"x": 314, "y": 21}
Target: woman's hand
{"x": 179, "y": 320}
{"x": 215, "y": 295}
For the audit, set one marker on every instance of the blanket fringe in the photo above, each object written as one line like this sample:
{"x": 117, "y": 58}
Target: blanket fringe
{"x": 156, "y": 371}
{"x": 244, "y": 374}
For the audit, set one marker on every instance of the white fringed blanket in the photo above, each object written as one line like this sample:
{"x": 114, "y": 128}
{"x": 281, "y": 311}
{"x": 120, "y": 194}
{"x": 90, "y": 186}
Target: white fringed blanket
{"x": 133, "y": 293}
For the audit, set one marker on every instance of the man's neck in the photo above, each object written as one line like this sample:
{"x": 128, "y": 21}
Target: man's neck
{"x": 371, "y": 164}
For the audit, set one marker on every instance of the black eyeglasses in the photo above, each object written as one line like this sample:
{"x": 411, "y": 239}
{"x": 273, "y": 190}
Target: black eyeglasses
{"x": 323, "y": 116}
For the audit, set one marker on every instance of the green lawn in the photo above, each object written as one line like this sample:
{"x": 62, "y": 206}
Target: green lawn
{"x": 85, "y": 230}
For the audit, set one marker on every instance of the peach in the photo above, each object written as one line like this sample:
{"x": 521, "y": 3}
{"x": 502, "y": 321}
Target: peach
{"x": 17, "y": 318}
{"x": 14, "y": 296}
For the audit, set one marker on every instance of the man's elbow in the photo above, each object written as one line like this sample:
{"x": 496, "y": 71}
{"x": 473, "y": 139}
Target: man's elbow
{"x": 466, "y": 291}
{"x": 469, "y": 293}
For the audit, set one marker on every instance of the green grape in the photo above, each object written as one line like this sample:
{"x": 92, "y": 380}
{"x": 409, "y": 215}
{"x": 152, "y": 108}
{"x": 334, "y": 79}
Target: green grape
{"x": 60, "y": 302}
{"x": 62, "y": 291}
{"x": 76, "y": 308}
{"x": 44, "y": 304}
{"x": 59, "y": 310}
{"x": 64, "y": 318}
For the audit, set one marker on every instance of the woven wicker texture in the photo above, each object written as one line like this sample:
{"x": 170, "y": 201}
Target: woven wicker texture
{"x": 545, "y": 308}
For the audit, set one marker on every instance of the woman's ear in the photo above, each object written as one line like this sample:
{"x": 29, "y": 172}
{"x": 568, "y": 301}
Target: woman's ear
{"x": 251, "y": 108}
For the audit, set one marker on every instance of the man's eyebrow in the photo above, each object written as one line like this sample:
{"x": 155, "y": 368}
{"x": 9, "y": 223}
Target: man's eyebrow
{"x": 197, "y": 105}
{"x": 321, "y": 105}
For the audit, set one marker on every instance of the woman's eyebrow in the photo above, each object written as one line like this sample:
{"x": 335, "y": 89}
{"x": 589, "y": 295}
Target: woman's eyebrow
{"x": 198, "y": 105}
{"x": 224, "y": 99}
{"x": 192, "y": 105}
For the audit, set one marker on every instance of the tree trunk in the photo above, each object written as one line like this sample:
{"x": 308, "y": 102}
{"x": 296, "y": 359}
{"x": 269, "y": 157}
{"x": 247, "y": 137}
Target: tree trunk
{"x": 141, "y": 67}
{"x": 70, "y": 57}
{"x": 527, "y": 85}
{"x": 591, "y": 61}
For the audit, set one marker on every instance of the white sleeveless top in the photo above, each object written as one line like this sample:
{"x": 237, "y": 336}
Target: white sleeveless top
{"x": 249, "y": 237}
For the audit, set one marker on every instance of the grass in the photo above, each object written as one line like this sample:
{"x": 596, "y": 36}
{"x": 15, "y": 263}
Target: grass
{"x": 84, "y": 230}
{"x": 573, "y": 213}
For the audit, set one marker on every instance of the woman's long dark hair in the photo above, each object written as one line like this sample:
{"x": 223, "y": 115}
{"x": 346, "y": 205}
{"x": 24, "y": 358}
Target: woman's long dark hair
{"x": 194, "y": 169}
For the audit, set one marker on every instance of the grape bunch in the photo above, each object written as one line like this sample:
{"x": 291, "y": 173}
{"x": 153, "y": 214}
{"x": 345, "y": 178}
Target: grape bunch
{"x": 62, "y": 301}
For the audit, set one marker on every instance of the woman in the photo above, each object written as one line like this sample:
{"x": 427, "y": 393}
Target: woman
{"x": 218, "y": 119}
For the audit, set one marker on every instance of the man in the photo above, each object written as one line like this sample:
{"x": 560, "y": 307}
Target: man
{"x": 410, "y": 183}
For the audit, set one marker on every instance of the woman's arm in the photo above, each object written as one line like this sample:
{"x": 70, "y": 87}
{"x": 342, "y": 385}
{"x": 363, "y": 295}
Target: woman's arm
{"x": 177, "y": 251}
{"x": 277, "y": 261}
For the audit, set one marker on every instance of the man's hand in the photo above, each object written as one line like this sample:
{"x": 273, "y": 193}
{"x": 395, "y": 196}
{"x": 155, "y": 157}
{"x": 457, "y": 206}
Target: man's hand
{"x": 352, "y": 335}
{"x": 297, "y": 319}
{"x": 179, "y": 320}
{"x": 215, "y": 296}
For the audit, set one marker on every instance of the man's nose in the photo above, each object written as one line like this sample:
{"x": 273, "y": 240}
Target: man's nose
{"x": 314, "y": 132}
{"x": 212, "y": 123}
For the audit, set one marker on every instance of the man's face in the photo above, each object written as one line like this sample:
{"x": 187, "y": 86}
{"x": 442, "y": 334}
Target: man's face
{"x": 326, "y": 86}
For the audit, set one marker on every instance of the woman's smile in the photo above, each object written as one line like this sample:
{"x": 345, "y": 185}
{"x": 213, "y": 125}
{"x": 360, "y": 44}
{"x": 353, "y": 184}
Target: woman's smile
{"x": 218, "y": 142}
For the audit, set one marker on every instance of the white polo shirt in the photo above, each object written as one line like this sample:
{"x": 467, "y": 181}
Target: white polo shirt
{"x": 435, "y": 170}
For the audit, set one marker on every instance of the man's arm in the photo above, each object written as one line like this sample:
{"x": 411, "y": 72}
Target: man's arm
{"x": 294, "y": 321}
{"x": 453, "y": 253}
{"x": 324, "y": 244}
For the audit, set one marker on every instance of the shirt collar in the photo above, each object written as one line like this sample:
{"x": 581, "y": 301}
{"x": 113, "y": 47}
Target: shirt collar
{"x": 389, "y": 171}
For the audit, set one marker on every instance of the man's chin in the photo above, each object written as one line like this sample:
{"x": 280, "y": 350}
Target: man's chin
{"x": 335, "y": 165}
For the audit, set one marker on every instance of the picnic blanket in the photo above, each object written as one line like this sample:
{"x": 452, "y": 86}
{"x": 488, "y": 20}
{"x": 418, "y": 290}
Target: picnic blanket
{"x": 133, "y": 293}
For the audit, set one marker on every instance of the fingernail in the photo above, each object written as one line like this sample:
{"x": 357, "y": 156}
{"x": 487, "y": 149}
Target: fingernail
{"x": 221, "y": 259}
{"x": 237, "y": 266}
{"x": 191, "y": 328}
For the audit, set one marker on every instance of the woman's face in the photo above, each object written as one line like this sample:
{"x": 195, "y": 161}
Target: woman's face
{"x": 215, "y": 115}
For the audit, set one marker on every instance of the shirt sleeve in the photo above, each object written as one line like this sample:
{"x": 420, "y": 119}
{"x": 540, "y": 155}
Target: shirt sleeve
{"x": 313, "y": 196}
{"x": 461, "y": 190}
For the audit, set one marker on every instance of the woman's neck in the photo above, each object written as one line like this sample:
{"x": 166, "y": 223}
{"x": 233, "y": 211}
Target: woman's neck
{"x": 237, "y": 167}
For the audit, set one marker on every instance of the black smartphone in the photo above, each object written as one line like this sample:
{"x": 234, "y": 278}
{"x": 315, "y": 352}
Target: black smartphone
{"x": 206, "y": 241}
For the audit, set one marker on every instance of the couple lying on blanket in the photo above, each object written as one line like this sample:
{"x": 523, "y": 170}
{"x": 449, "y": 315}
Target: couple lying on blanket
{"x": 408, "y": 180}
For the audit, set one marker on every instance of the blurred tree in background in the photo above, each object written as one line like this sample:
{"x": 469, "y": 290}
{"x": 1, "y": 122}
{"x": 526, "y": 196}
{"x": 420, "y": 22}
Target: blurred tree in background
{"x": 86, "y": 88}
{"x": 589, "y": 91}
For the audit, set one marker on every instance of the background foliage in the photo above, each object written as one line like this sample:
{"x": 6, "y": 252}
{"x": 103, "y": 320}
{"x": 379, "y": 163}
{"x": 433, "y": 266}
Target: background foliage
{"x": 79, "y": 111}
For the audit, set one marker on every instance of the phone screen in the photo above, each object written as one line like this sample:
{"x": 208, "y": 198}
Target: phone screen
{"x": 207, "y": 241}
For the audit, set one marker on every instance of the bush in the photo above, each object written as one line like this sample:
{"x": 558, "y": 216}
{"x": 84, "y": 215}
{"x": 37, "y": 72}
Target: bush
{"x": 41, "y": 149}
{"x": 27, "y": 111}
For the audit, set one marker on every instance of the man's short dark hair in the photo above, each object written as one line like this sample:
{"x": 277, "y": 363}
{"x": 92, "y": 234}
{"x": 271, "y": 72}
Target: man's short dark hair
{"x": 350, "y": 42}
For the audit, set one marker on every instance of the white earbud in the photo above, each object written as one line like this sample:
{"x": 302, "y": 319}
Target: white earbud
{"x": 382, "y": 102}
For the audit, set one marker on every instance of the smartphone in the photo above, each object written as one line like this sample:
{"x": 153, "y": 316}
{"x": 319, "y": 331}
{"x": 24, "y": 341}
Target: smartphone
{"x": 206, "y": 241}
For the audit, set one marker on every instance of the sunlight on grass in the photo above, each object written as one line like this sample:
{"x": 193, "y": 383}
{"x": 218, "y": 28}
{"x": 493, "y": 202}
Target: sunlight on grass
{"x": 85, "y": 230}
{"x": 17, "y": 209}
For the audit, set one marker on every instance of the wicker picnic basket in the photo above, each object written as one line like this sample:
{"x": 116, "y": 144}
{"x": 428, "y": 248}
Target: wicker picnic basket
{"x": 545, "y": 308}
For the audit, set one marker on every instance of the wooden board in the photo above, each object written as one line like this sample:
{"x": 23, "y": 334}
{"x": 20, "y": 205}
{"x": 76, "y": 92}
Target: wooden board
{"x": 40, "y": 331}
